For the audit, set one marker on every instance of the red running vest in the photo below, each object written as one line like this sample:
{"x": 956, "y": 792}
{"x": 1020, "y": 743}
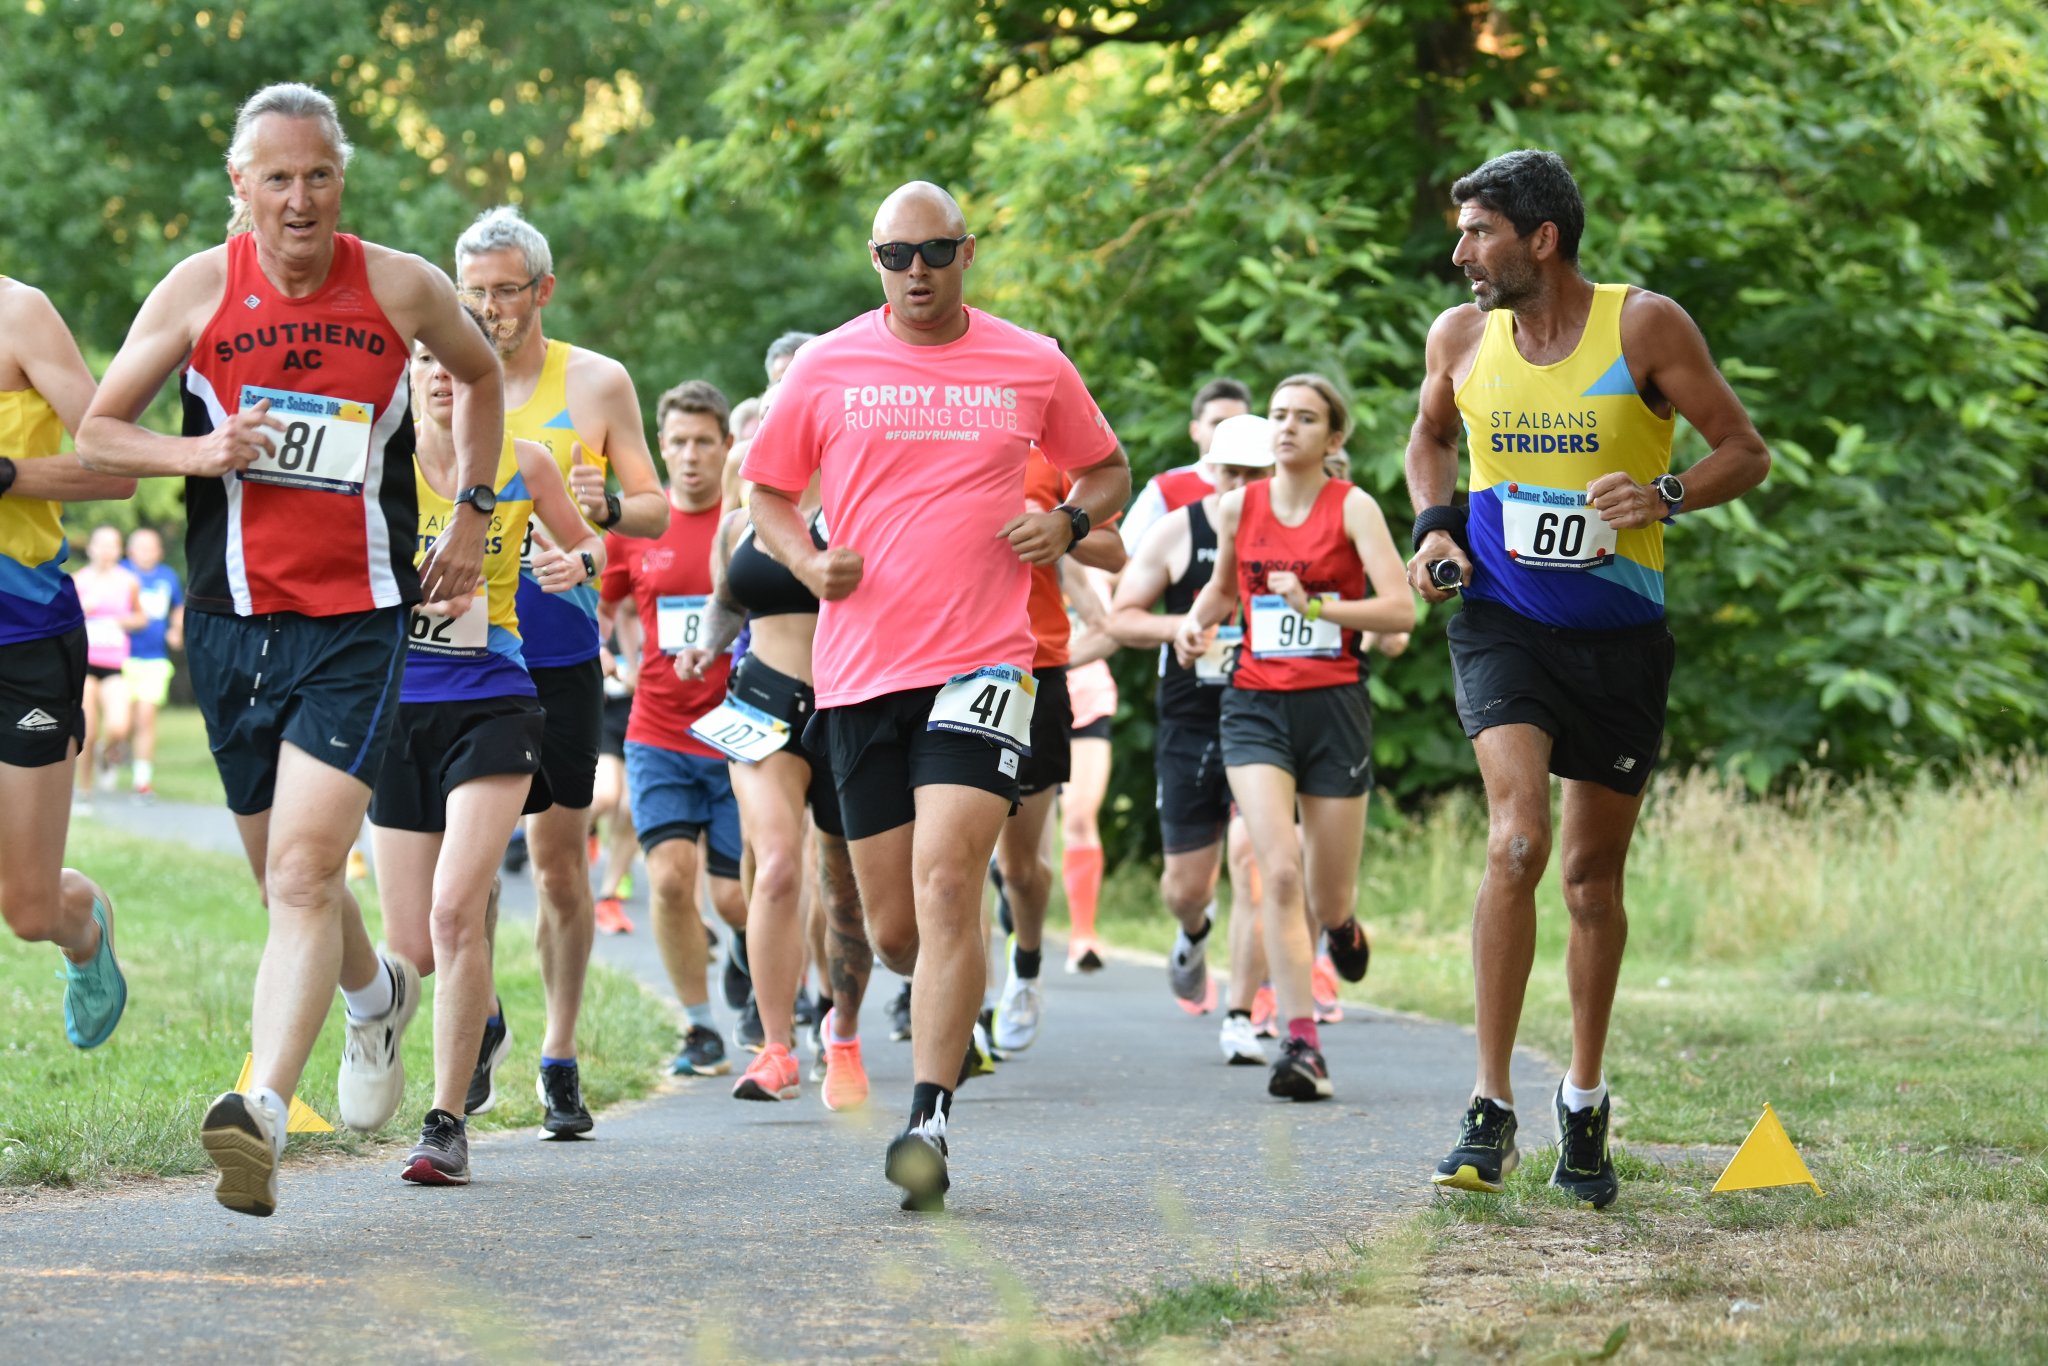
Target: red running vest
{"x": 328, "y": 526}
{"x": 1322, "y": 556}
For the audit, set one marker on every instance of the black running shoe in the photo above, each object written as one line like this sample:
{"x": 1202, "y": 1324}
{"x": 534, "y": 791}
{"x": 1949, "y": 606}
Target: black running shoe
{"x": 1300, "y": 1074}
{"x": 1003, "y": 915}
{"x": 702, "y": 1054}
{"x": 1485, "y": 1153}
{"x": 739, "y": 978}
{"x": 561, "y": 1100}
{"x": 1350, "y": 950}
{"x": 483, "y": 1082}
{"x": 899, "y": 1014}
{"x": 981, "y": 1055}
{"x": 748, "y": 1033}
{"x": 441, "y": 1157}
{"x": 917, "y": 1163}
{"x": 1584, "y": 1169}
{"x": 806, "y": 1012}
{"x": 515, "y": 853}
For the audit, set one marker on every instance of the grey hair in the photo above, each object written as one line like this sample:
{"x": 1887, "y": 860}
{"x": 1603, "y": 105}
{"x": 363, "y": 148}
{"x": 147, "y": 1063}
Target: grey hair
{"x": 496, "y": 229}
{"x": 786, "y": 346}
{"x": 291, "y": 100}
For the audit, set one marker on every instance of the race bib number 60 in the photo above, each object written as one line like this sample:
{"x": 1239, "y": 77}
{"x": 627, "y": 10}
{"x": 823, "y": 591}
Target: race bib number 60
{"x": 679, "y": 623}
{"x": 994, "y": 702}
{"x": 325, "y": 444}
{"x": 1553, "y": 529}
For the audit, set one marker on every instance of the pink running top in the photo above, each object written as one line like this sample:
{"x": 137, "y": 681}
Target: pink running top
{"x": 107, "y": 599}
{"x": 923, "y": 450}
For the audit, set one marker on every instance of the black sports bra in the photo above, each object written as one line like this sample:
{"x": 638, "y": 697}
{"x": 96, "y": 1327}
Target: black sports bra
{"x": 763, "y": 584}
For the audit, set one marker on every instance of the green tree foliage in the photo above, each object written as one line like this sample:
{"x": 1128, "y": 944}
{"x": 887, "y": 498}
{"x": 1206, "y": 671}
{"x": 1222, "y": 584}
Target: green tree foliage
{"x": 1849, "y": 199}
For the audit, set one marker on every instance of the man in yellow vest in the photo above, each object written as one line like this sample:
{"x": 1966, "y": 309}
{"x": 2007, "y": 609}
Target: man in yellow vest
{"x": 1565, "y": 391}
{"x": 581, "y": 406}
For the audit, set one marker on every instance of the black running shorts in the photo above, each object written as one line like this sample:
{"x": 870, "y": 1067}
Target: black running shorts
{"x": 1193, "y": 794}
{"x": 439, "y": 746}
{"x": 617, "y": 712}
{"x": 792, "y": 700}
{"x": 1051, "y": 760}
{"x": 42, "y": 691}
{"x": 1323, "y": 736}
{"x": 881, "y": 753}
{"x": 1599, "y": 695}
{"x": 573, "y": 698}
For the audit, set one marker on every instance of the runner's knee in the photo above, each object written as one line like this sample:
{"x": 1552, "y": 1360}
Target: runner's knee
{"x": 1517, "y": 853}
{"x": 1592, "y": 894}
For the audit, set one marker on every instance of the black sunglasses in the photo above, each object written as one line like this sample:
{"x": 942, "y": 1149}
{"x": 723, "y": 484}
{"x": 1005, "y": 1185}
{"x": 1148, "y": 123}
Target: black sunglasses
{"x": 938, "y": 253}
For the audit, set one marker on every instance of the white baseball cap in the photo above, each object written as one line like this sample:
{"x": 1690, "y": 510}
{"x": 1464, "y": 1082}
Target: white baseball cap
{"x": 1244, "y": 441}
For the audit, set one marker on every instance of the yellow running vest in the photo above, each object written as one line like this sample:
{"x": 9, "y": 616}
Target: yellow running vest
{"x": 37, "y": 599}
{"x": 1538, "y": 435}
{"x": 560, "y": 629}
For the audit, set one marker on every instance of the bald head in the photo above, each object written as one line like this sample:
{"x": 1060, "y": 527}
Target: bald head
{"x": 917, "y": 212}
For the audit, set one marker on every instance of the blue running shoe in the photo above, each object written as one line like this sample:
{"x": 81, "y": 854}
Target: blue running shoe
{"x": 96, "y": 993}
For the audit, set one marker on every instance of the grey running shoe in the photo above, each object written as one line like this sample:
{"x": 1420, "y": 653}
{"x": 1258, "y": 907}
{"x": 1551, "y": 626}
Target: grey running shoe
{"x": 240, "y": 1137}
{"x": 496, "y": 1045}
{"x": 749, "y": 1032}
{"x": 1188, "y": 970}
{"x": 702, "y": 1054}
{"x": 441, "y": 1157}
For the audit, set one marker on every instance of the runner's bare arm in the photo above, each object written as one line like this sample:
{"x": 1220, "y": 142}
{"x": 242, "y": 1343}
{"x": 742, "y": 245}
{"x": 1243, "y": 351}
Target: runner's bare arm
{"x": 1100, "y": 490}
{"x": 724, "y": 617}
{"x": 1390, "y": 607}
{"x": 43, "y": 349}
{"x": 110, "y": 442}
{"x": 1219, "y": 594}
{"x": 559, "y": 564}
{"x": 1664, "y": 340}
{"x": 830, "y": 574}
{"x": 600, "y": 385}
{"x": 1131, "y": 618}
{"x": 1102, "y": 548}
{"x": 1432, "y": 459}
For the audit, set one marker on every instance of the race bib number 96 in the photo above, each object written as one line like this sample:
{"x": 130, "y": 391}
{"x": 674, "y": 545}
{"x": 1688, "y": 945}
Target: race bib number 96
{"x": 679, "y": 623}
{"x": 1553, "y": 529}
{"x": 994, "y": 702}
{"x": 325, "y": 444}
{"x": 1280, "y": 632}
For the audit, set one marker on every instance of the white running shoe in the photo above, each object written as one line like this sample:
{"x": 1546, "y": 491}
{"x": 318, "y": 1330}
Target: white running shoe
{"x": 1018, "y": 1014}
{"x": 372, "y": 1080}
{"x": 1187, "y": 972}
{"x": 1241, "y": 1046}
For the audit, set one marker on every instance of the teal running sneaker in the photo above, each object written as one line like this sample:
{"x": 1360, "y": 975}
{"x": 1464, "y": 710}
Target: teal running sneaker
{"x": 95, "y": 993}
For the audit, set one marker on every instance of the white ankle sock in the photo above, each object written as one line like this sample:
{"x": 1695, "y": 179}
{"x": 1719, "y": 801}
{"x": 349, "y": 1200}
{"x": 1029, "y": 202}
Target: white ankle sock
{"x": 278, "y": 1110}
{"x": 1507, "y": 1105}
{"x": 367, "y": 1003}
{"x": 1576, "y": 1100}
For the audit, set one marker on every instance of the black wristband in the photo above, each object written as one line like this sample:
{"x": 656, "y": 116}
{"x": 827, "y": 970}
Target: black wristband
{"x": 7, "y": 473}
{"x": 613, "y": 509}
{"x": 1442, "y": 517}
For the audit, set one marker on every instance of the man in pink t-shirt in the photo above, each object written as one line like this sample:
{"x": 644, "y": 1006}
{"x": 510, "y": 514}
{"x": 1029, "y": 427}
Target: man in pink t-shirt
{"x": 919, "y": 418}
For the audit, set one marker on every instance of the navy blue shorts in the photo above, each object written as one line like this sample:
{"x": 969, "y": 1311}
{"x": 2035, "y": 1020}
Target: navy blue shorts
{"x": 327, "y": 684}
{"x": 682, "y": 796}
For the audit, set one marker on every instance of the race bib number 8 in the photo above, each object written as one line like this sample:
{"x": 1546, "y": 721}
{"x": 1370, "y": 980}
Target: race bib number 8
{"x": 679, "y": 623}
{"x": 1213, "y": 668}
{"x": 1553, "y": 529}
{"x": 465, "y": 637}
{"x": 1280, "y": 632}
{"x": 994, "y": 703}
{"x": 325, "y": 444}
{"x": 740, "y": 732}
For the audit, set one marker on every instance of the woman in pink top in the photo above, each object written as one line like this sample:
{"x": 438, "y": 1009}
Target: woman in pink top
{"x": 112, "y": 599}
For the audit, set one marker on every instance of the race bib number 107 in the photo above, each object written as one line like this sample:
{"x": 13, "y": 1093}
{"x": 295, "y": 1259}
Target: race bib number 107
{"x": 325, "y": 444}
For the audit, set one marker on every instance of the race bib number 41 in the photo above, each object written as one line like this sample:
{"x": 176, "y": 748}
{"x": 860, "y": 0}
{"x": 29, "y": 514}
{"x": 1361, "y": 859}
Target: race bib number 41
{"x": 994, "y": 703}
{"x": 325, "y": 444}
{"x": 741, "y": 732}
{"x": 1553, "y": 529}
{"x": 1280, "y": 632}
{"x": 679, "y": 623}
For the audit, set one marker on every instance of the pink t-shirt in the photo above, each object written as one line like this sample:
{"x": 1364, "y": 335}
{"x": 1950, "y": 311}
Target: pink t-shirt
{"x": 107, "y": 598}
{"x": 923, "y": 450}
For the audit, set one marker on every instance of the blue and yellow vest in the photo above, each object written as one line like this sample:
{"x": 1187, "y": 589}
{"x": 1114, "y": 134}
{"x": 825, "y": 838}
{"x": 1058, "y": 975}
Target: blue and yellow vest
{"x": 37, "y": 598}
{"x": 561, "y": 628}
{"x": 435, "y": 674}
{"x": 1538, "y": 434}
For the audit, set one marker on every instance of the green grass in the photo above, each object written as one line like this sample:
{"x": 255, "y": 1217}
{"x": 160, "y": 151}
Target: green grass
{"x": 190, "y": 933}
{"x": 184, "y": 765}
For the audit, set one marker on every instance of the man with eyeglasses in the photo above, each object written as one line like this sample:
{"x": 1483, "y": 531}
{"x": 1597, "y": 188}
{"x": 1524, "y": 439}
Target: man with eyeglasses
{"x": 581, "y": 406}
{"x": 919, "y": 417}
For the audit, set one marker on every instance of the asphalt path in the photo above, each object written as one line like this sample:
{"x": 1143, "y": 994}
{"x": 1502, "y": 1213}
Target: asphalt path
{"x": 1117, "y": 1154}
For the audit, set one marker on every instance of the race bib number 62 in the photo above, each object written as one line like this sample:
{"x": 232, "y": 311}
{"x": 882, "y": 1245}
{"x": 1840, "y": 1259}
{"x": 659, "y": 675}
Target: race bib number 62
{"x": 325, "y": 444}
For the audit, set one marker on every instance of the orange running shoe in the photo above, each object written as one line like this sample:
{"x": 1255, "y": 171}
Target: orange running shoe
{"x": 612, "y": 918}
{"x": 1265, "y": 1013}
{"x": 846, "y": 1080}
{"x": 592, "y": 849}
{"x": 773, "y": 1075}
{"x": 1322, "y": 982}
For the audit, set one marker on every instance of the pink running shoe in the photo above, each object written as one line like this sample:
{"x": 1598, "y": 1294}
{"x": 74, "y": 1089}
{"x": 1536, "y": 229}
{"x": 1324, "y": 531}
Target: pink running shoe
{"x": 773, "y": 1075}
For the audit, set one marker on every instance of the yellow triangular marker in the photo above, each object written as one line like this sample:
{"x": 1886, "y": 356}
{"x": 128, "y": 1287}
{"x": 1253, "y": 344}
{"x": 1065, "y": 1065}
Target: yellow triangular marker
{"x": 1766, "y": 1158}
{"x": 302, "y": 1118}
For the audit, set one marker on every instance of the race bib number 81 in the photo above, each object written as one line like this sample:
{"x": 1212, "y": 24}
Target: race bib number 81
{"x": 994, "y": 702}
{"x": 325, "y": 444}
{"x": 1553, "y": 529}
{"x": 1280, "y": 632}
{"x": 679, "y": 623}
